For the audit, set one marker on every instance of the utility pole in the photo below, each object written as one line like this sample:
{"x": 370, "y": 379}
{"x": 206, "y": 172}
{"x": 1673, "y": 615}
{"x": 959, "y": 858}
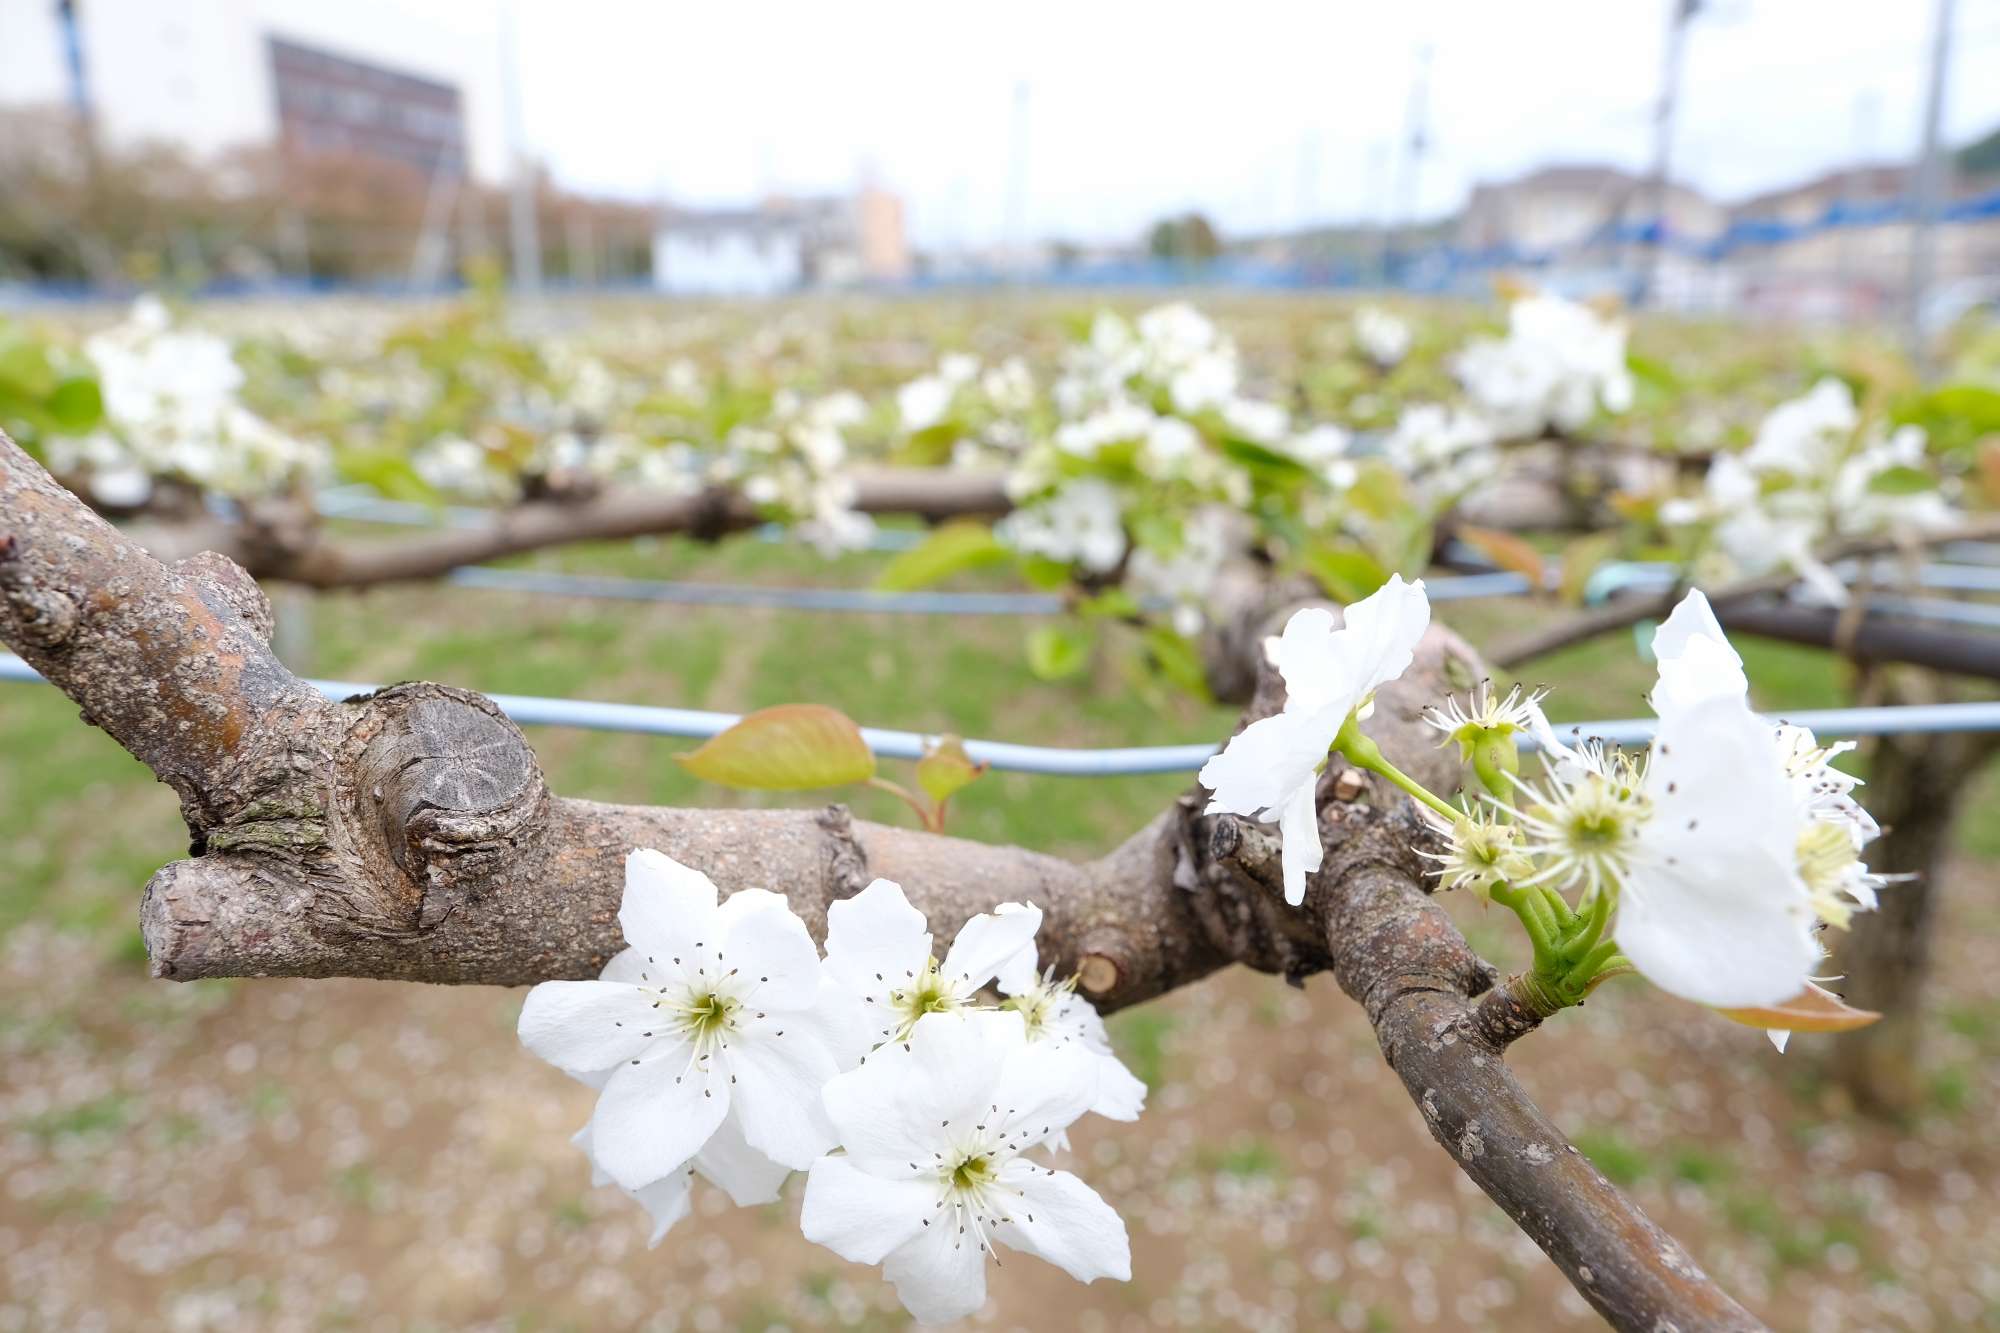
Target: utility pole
{"x": 1853, "y": 192}
{"x": 1414, "y": 144}
{"x": 1679, "y": 15}
{"x": 1928, "y": 180}
{"x": 523, "y": 224}
{"x": 1017, "y": 189}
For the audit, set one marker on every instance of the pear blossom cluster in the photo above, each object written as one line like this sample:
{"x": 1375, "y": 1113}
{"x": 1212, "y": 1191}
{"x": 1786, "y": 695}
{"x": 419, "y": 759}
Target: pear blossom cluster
{"x": 1723, "y": 848}
{"x": 1715, "y": 856}
{"x": 1560, "y": 363}
{"x": 794, "y": 463}
{"x": 721, "y": 1044}
{"x": 172, "y": 409}
{"x": 1815, "y": 470}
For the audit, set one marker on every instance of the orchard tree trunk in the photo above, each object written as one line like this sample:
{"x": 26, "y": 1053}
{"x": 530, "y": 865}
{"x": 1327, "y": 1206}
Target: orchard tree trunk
{"x": 409, "y": 834}
{"x": 1915, "y": 787}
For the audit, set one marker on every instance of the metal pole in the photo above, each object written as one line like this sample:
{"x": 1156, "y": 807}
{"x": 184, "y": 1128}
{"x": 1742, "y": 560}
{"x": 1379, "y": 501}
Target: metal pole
{"x": 1679, "y": 16}
{"x": 523, "y": 224}
{"x": 1928, "y": 179}
{"x": 1406, "y": 184}
{"x": 1017, "y": 189}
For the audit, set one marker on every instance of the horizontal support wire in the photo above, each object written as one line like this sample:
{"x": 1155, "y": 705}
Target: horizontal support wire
{"x": 643, "y": 719}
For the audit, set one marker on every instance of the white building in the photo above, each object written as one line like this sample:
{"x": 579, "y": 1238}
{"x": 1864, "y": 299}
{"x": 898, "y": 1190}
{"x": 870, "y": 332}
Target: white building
{"x": 203, "y": 74}
{"x": 784, "y": 245}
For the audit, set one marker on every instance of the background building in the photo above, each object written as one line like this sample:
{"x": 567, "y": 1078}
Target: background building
{"x": 784, "y": 244}
{"x": 209, "y": 76}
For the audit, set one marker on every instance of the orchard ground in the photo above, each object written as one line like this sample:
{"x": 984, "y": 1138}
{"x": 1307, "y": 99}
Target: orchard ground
{"x": 368, "y": 1156}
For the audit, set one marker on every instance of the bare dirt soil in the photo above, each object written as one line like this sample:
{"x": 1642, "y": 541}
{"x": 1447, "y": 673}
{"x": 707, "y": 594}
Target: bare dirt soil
{"x": 294, "y": 1156}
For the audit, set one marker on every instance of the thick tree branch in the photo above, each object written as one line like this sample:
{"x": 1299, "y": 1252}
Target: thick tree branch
{"x": 278, "y": 539}
{"x": 1623, "y": 612}
{"x": 410, "y": 834}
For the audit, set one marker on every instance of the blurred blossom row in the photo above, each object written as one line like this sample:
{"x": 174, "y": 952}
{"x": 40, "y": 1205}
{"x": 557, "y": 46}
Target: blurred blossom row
{"x": 1147, "y": 460}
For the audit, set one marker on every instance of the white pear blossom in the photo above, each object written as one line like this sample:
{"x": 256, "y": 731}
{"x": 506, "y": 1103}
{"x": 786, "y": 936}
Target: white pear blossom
{"x": 1053, "y": 1012}
{"x": 171, "y": 410}
{"x": 1713, "y": 844}
{"x": 923, "y": 402}
{"x": 1081, "y": 524}
{"x": 933, "y": 1176}
{"x": 746, "y": 1175}
{"x": 878, "y": 948}
{"x": 1444, "y": 453}
{"x": 1271, "y": 767}
{"x": 728, "y": 1013}
{"x": 1811, "y": 473}
{"x": 1188, "y": 575}
{"x": 1558, "y": 364}
{"x": 1384, "y": 337}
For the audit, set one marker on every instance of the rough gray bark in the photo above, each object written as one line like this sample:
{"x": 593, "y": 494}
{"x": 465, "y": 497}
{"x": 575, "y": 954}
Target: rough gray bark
{"x": 282, "y": 539}
{"x": 409, "y": 834}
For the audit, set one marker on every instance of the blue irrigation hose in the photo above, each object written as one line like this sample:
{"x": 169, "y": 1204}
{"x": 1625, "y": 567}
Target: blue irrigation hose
{"x": 728, "y": 594}
{"x": 589, "y": 715}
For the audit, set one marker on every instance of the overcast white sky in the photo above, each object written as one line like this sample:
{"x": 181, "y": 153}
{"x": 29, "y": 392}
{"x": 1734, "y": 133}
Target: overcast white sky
{"x": 1261, "y": 112}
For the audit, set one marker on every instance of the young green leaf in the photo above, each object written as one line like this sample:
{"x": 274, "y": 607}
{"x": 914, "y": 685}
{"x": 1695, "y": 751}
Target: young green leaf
{"x": 793, "y": 747}
{"x": 1580, "y": 560}
{"x": 1901, "y": 481}
{"x": 947, "y": 770}
{"x": 1178, "y": 660}
{"x": 1346, "y": 572}
{"x": 958, "y": 545}
{"x": 1059, "y": 651}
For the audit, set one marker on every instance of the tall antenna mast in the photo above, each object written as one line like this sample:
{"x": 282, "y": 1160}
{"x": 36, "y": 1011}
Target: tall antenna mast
{"x": 1928, "y": 179}
{"x": 1680, "y": 15}
{"x": 1414, "y": 144}
{"x": 522, "y": 222}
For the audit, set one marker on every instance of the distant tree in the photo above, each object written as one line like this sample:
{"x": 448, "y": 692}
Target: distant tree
{"x": 1188, "y": 238}
{"x": 1981, "y": 157}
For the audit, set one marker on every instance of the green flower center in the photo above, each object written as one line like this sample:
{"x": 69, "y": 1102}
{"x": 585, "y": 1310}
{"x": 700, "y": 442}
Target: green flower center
{"x": 973, "y": 1174}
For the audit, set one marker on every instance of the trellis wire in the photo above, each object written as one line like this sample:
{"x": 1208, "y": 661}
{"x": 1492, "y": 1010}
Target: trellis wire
{"x": 1131, "y": 760}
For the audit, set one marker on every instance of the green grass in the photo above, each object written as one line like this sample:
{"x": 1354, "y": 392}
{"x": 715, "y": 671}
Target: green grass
{"x": 83, "y": 825}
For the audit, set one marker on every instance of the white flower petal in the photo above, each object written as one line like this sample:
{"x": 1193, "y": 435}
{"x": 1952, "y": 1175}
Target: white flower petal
{"x": 1381, "y": 634}
{"x": 987, "y": 944}
{"x": 940, "y": 1274}
{"x": 1121, "y": 1094}
{"x": 655, "y": 1115}
{"x": 1264, "y": 763}
{"x": 873, "y": 939}
{"x": 758, "y": 936}
{"x": 866, "y": 1107}
{"x": 1696, "y": 661}
{"x": 841, "y": 1020}
{"x": 1715, "y": 911}
{"x": 668, "y": 1199}
{"x": 1301, "y": 851}
{"x": 748, "y": 1176}
{"x": 1780, "y": 1037}
{"x": 575, "y": 1025}
{"x": 628, "y": 968}
{"x": 1062, "y": 1220}
{"x": 667, "y": 908}
{"x": 962, "y": 1057}
{"x": 862, "y": 1217}
{"x": 1043, "y": 1087}
{"x": 779, "y": 1081}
